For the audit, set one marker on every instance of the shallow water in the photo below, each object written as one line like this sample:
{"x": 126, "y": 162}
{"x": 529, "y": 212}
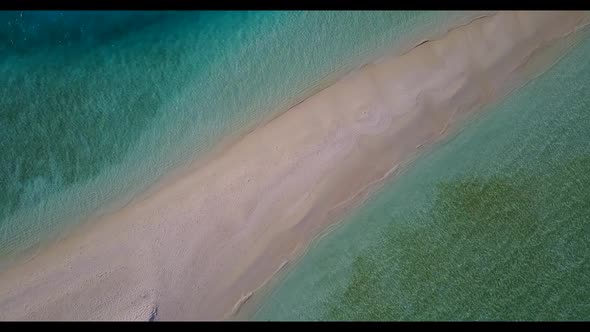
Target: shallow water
{"x": 95, "y": 106}
{"x": 492, "y": 224}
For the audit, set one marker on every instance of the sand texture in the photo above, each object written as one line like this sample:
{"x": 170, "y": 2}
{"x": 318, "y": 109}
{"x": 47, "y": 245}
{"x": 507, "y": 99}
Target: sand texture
{"x": 198, "y": 247}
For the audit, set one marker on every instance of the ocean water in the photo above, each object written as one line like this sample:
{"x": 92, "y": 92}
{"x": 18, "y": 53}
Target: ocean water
{"x": 96, "y": 106}
{"x": 492, "y": 224}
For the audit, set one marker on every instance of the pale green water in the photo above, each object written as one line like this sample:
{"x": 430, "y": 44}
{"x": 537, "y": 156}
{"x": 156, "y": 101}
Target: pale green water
{"x": 95, "y": 106}
{"x": 494, "y": 224}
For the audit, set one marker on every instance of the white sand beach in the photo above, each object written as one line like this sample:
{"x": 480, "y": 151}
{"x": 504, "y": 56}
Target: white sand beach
{"x": 198, "y": 247}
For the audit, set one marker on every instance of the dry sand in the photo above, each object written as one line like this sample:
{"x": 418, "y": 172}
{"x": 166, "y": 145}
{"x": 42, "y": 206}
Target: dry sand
{"x": 198, "y": 248}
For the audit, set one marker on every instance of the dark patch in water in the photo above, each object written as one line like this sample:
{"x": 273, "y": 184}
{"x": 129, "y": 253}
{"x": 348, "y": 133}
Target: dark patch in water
{"x": 484, "y": 252}
{"x": 23, "y": 32}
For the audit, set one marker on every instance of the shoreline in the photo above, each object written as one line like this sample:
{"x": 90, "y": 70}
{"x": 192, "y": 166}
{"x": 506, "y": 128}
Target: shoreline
{"x": 249, "y": 309}
{"x": 280, "y": 193}
{"x": 448, "y": 131}
{"x": 185, "y": 167}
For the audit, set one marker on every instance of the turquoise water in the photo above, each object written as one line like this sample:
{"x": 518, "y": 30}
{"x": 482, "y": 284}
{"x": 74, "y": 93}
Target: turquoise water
{"x": 493, "y": 224}
{"x": 95, "y": 106}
